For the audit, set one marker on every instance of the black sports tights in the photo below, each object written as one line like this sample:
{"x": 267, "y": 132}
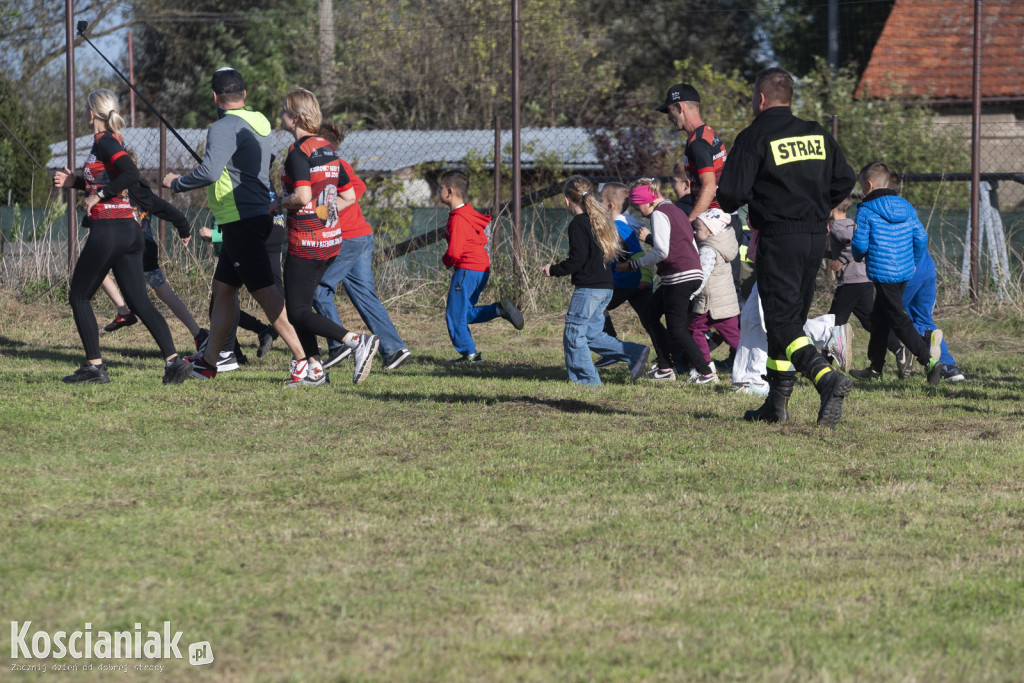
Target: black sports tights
{"x": 114, "y": 245}
{"x": 301, "y": 277}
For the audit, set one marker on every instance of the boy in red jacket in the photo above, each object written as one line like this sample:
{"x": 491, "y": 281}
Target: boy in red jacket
{"x": 471, "y": 268}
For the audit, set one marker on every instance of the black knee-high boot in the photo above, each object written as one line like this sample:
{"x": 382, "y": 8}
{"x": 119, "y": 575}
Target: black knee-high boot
{"x": 776, "y": 406}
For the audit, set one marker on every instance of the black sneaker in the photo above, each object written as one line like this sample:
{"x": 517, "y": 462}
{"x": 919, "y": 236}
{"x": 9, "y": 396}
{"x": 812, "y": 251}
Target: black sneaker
{"x": 121, "y": 321}
{"x": 953, "y": 373}
{"x": 336, "y": 355}
{"x": 935, "y": 370}
{"x": 605, "y": 361}
{"x": 266, "y": 338}
{"x": 508, "y": 311}
{"x": 93, "y": 374}
{"x": 393, "y": 360}
{"x": 866, "y": 374}
{"x": 177, "y": 371}
{"x": 904, "y": 363}
{"x": 468, "y": 359}
{"x": 227, "y": 362}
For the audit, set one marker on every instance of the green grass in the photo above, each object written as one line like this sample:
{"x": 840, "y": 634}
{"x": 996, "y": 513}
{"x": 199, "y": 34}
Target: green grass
{"x": 499, "y": 523}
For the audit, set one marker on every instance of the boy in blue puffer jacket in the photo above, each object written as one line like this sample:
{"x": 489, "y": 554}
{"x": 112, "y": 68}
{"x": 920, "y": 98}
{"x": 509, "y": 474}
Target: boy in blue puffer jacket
{"x": 890, "y": 237}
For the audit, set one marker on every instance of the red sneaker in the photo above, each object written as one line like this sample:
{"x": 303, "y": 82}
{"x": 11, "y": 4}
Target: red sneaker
{"x": 121, "y": 321}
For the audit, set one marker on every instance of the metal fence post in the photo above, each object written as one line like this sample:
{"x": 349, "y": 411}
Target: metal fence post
{"x": 517, "y": 181}
{"x": 975, "y": 154}
{"x": 69, "y": 17}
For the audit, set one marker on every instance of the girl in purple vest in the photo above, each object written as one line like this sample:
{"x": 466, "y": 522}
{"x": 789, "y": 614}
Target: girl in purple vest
{"x": 674, "y": 254}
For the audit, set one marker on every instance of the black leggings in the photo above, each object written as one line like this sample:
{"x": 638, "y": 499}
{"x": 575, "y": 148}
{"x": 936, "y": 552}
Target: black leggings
{"x": 673, "y": 301}
{"x": 114, "y": 245}
{"x": 301, "y": 277}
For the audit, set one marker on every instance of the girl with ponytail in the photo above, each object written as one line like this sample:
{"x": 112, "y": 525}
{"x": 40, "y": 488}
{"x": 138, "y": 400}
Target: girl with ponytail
{"x": 115, "y": 242}
{"x": 594, "y": 246}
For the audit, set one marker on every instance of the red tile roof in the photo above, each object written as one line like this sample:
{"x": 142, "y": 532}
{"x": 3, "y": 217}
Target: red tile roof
{"x": 926, "y": 49}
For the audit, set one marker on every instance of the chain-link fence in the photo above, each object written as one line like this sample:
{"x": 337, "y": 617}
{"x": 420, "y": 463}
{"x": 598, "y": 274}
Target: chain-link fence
{"x": 908, "y": 102}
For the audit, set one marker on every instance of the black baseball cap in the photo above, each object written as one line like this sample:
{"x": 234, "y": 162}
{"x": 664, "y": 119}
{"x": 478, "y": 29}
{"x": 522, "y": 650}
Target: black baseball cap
{"x": 679, "y": 93}
{"x": 226, "y": 80}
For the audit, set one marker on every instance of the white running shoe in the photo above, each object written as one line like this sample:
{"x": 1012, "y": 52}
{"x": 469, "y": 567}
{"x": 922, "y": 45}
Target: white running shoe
{"x": 839, "y": 345}
{"x": 364, "y": 353}
{"x": 298, "y": 370}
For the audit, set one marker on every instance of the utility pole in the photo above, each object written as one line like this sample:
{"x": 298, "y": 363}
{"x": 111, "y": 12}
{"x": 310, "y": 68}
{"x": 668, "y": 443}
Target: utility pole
{"x": 517, "y": 181}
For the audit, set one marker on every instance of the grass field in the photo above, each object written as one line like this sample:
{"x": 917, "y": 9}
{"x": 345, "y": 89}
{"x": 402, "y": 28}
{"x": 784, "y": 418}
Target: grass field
{"x": 499, "y": 523}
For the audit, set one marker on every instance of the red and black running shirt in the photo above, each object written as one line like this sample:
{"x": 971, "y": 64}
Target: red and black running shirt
{"x": 100, "y": 170}
{"x": 313, "y": 230}
{"x": 704, "y": 152}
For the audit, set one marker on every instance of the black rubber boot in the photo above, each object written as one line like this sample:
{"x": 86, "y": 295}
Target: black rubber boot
{"x": 776, "y": 406}
{"x": 832, "y": 386}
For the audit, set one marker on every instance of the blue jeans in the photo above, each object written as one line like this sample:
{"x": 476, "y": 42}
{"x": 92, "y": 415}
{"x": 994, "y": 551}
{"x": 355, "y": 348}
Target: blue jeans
{"x": 461, "y": 310}
{"x": 919, "y": 300}
{"x": 584, "y": 332}
{"x": 352, "y": 268}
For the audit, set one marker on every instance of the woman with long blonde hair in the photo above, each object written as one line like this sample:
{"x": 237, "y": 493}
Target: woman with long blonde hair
{"x": 115, "y": 242}
{"x": 317, "y": 189}
{"x": 594, "y": 245}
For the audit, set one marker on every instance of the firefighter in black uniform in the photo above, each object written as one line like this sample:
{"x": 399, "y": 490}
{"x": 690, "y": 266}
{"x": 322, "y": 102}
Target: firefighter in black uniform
{"x": 791, "y": 173}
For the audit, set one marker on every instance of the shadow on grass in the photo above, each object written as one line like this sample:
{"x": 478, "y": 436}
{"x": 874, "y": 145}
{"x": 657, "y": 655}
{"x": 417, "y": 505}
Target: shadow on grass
{"x": 564, "y": 405}
{"x": 444, "y": 367}
{"x": 65, "y": 355}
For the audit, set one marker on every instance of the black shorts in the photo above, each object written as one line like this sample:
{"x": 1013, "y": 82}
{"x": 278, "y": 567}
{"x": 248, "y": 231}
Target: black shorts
{"x": 243, "y": 254}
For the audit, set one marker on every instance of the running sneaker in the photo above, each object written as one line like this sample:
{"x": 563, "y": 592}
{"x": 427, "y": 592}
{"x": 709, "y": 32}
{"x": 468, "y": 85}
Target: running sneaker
{"x": 605, "y": 361}
{"x": 177, "y": 371}
{"x": 698, "y": 378}
{"x": 868, "y": 373}
{"x": 904, "y": 363}
{"x": 953, "y": 373}
{"x": 121, "y": 321}
{"x": 508, "y": 311}
{"x": 751, "y": 389}
{"x": 636, "y": 370}
{"x": 200, "y": 370}
{"x": 839, "y": 345}
{"x": 468, "y": 359}
{"x": 201, "y": 339}
{"x": 88, "y": 373}
{"x": 227, "y": 362}
{"x": 314, "y": 377}
{"x": 363, "y": 355}
{"x": 266, "y": 339}
{"x": 935, "y": 370}
{"x": 297, "y": 370}
{"x": 393, "y": 360}
{"x": 336, "y": 355}
{"x": 934, "y": 340}
{"x": 659, "y": 375}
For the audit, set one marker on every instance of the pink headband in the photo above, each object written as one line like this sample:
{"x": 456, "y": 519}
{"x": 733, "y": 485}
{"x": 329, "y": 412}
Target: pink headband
{"x": 641, "y": 195}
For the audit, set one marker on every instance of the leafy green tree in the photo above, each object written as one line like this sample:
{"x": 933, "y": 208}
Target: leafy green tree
{"x": 798, "y": 31}
{"x": 268, "y": 42}
{"x": 18, "y": 174}
{"x": 904, "y": 134}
